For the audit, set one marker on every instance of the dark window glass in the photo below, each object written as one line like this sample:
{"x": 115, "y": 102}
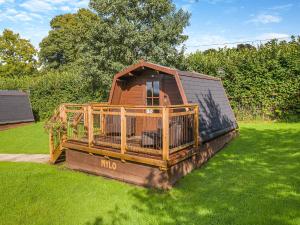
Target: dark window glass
{"x": 149, "y": 101}
{"x": 152, "y": 88}
{"x": 149, "y": 89}
{"x": 155, "y": 88}
{"x": 155, "y": 101}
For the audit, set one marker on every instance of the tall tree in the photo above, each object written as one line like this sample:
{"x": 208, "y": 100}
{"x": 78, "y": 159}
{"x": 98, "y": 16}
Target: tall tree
{"x": 128, "y": 30}
{"x": 61, "y": 47}
{"x": 17, "y": 55}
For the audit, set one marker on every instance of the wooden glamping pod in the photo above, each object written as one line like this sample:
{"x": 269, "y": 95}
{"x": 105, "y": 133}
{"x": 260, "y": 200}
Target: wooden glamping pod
{"x": 158, "y": 125}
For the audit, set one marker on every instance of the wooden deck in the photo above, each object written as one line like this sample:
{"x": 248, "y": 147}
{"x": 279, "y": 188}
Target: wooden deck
{"x": 133, "y": 168}
{"x": 136, "y": 133}
{"x": 149, "y": 146}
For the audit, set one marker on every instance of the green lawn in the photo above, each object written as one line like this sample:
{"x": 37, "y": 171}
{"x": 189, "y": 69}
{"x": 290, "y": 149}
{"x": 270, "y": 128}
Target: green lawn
{"x": 26, "y": 139}
{"x": 255, "y": 180}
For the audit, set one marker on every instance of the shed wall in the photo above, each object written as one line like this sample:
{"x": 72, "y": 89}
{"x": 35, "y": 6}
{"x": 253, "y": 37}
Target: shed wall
{"x": 132, "y": 90}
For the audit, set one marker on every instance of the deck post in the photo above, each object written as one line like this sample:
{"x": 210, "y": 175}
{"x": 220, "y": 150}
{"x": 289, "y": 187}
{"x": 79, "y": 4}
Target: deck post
{"x": 63, "y": 118}
{"x": 196, "y": 126}
{"x": 90, "y": 125}
{"x": 51, "y": 144}
{"x": 123, "y": 130}
{"x": 165, "y": 136}
{"x": 102, "y": 122}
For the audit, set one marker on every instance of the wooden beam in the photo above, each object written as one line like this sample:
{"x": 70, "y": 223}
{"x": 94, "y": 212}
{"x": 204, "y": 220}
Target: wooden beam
{"x": 63, "y": 118}
{"x": 51, "y": 143}
{"x": 144, "y": 114}
{"x": 107, "y": 113}
{"x": 108, "y": 144}
{"x": 90, "y": 126}
{"x": 165, "y": 138}
{"x": 180, "y": 147}
{"x": 144, "y": 150}
{"x": 74, "y": 111}
{"x": 196, "y": 126}
{"x": 123, "y": 130}
{"x": 102, "y": 122}
{"x": 182, "y": 113}
{"x": 133, "y": 158}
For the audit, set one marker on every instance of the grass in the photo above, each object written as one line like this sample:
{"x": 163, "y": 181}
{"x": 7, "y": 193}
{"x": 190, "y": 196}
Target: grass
{"x": 26, "y": 139}
{"x": 254, "y": 180}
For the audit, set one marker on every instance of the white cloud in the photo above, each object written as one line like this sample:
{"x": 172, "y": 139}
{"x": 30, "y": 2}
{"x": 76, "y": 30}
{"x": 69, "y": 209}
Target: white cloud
{"x": 218, "y": 1}
{"x": 80, "y": 3}
{"x": 37, "y": 5}
{"x": 15, "y": 16}
{"x": 265, "y": 19}
{"x": 65, "y": 8}
{"x": 22, "y": 17}
{"x": 265, "y": 36}
{"x": 6, "y": 1}
{"x": 50, "y": 6}
{"x": 202, "y": 42}
{"x": 186, "y": 7}
{"x": 281, "y": 7}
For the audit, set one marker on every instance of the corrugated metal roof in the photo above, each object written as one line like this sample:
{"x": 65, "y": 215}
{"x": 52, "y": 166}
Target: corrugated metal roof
{"x": 15, "y": 107}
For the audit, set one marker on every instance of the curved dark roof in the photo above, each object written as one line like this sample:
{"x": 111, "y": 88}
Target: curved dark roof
{"x": 216, "y": 115}
{"x": 15, "y": 107}
{"x": 196, "y": 75}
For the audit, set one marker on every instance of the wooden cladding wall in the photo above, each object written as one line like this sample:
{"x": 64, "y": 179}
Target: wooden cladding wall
{"x": 131, "y": 90}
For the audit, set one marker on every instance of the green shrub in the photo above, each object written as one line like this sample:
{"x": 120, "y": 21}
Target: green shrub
{"x": 56, "y": 87}
{"x": 261, "y": 82}
{"x": 50, "y": 89}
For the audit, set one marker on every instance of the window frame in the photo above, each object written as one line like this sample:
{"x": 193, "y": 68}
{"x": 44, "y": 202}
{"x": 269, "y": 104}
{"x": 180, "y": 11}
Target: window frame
{"x": 152, "y": 98}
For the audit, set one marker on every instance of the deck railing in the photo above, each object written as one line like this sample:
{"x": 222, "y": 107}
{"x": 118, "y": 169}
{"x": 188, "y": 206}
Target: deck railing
{"x": 157, "y": 130}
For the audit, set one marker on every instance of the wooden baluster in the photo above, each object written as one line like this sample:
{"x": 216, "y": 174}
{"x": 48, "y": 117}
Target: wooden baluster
{"x": 123, "y": 130}
{"x": 90, "y": 125}
{"x": 51, "y": 144}
{"x": 102, "y": 120}
{"x": 63, "y": 118}
{"x": 165, "y": 139}
{"x": 196, "y": 126}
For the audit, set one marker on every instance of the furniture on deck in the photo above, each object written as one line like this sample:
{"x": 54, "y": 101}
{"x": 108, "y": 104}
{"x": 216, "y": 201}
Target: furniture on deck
{"x": 113, "y": 126}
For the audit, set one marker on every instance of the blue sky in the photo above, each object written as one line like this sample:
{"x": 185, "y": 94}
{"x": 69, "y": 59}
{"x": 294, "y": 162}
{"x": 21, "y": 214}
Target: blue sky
{"x": 213, "y": 22}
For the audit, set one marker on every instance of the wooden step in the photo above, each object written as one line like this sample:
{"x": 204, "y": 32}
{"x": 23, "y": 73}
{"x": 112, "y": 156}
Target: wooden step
{"x": 58, "y": 155}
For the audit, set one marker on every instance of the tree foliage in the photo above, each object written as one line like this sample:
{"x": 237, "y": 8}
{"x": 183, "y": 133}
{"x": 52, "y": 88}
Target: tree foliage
{"x": 62, "y": 45}
{"x": 17, "y": 55}
{"x": 129, "y": 30}
{"x": 263, "y": 81}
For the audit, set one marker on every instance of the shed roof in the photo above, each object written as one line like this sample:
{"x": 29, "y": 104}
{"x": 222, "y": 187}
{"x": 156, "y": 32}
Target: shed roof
{"x": 216, "y": 115}
{"x": 15, "y": 107}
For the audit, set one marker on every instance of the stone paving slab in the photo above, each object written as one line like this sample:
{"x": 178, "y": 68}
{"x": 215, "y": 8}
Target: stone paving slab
{"x": 38, "y": 158}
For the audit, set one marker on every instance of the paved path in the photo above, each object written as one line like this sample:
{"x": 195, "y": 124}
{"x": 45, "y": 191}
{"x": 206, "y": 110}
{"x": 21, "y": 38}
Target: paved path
{"x": 38, "y": 158}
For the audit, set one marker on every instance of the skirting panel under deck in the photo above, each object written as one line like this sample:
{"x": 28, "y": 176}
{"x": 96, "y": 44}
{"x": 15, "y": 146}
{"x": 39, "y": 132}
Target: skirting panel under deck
{"x": 141, "y": 174}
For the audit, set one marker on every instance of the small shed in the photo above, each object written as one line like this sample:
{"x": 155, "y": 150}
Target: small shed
{"x": 15, "y": 107}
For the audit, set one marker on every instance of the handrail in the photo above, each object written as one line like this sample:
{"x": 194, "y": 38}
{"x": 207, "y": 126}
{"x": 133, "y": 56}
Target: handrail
{"x": 125, "y": 119}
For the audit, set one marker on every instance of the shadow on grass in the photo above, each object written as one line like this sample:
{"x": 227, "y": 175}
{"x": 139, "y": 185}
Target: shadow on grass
{"x": 255, "y": 180}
